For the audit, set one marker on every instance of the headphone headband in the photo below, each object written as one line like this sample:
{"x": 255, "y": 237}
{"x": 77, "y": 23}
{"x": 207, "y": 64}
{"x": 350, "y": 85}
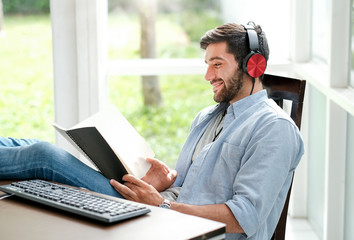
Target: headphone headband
{"x": 252, "y": 38}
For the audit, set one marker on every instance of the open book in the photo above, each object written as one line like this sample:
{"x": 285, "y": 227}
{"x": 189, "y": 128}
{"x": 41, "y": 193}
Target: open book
{"x": 111, "y": 143}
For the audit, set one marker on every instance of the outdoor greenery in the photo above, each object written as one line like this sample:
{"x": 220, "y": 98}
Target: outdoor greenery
{"x": 26, "y": 73}
{"x": 26, "y": 6}
{"x": 26, "y": 76}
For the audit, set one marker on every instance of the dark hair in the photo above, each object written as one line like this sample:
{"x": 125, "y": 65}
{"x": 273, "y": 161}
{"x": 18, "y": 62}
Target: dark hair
{"x": 235, "y": 36}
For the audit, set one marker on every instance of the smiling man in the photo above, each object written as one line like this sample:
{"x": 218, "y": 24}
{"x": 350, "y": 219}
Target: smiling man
{"x": 237, "y": 163}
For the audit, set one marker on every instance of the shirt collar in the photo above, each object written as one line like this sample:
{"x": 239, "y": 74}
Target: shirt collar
{"x": 245, "y": 103}
{"x": 240, "y": 105}
{"x": 237, "y": 108}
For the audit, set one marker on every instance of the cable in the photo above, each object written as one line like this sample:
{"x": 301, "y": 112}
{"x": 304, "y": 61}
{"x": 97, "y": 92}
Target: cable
{"x": 253, "y": 82}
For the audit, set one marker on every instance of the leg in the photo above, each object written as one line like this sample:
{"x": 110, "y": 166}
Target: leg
{"x": 46, "y": 161}
{"x": 16, "y": 142}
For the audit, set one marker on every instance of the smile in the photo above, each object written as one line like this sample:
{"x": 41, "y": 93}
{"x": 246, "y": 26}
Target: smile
{"x": 216, "y": 85}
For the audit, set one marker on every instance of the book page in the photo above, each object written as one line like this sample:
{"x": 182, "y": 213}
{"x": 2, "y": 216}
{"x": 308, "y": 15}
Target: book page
{"x": 122, "y": 137}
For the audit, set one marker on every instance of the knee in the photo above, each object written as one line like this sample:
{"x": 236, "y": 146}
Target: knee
{"x": 44, "y": 148}
{"x": 48, "y": 153}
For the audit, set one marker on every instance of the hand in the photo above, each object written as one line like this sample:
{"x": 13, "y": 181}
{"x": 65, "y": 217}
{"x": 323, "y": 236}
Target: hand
{"x": 137, "y": 190}
{"x": 159, "y": 175}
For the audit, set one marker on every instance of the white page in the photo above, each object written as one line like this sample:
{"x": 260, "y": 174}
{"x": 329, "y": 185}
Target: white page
{"x": 122, "y": 137}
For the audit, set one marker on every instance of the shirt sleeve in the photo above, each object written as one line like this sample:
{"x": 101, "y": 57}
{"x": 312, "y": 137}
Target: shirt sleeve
{"x": 171, "y": 193}
{"x": 265, "y": 174}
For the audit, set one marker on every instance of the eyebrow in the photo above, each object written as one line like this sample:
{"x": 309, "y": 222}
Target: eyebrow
{"x": 213, "y": 58}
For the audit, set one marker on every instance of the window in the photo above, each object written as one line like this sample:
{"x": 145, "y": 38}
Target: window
{"x": 272, "y": 15}
{"x": 179, "y": 24}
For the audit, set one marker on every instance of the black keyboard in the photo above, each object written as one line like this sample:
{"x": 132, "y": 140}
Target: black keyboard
{"x": 75, "y": 201}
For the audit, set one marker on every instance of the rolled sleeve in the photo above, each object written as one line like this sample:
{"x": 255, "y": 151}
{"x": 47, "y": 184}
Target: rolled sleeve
{"x": 245, "y": 213}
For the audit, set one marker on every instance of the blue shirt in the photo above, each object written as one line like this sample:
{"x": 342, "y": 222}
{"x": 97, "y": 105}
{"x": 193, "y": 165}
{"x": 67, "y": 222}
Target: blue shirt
{"x": 249, "y": 167}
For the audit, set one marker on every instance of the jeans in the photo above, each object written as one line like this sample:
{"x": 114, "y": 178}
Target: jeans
{"x": 32, "y": 158}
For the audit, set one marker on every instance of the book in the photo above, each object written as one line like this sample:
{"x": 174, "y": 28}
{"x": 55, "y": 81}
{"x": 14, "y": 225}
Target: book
{"x": 111, "y": 143}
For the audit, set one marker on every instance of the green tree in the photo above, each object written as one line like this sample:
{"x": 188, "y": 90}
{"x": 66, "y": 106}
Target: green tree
{"x": 26, "y": 6}
{"x": 148, "y": 11}
{"x": 1, "y": 17}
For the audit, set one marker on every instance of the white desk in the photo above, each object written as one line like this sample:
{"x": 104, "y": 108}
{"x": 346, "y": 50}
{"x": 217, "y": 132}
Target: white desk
{"x": 23, "y": 219}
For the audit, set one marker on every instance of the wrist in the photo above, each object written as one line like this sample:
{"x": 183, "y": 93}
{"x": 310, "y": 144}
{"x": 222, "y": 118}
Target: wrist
{"x": 165, "y": 204}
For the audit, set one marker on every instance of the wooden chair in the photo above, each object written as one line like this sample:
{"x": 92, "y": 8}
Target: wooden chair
{"x": 293, "y": 90}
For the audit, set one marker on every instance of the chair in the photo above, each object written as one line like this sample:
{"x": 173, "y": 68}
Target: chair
{"x": 280, "y": 89}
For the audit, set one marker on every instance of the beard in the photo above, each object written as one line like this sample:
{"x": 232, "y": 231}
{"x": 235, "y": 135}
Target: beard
{"x": 227, "y": 93}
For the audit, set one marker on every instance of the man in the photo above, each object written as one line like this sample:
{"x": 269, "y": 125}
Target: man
{"x": 237, "y": 163}
{"x": 235, "y": 167}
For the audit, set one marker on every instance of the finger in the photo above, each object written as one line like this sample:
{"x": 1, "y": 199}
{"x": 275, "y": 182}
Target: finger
{"x": 134, "y": 180}
{"x": 126, "y": 192}
{"x": 132, "y": 186}
{"x": 153, "y": 161}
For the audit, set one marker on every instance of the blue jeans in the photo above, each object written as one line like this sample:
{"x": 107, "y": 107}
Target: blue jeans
{"x": 32, "y": 158}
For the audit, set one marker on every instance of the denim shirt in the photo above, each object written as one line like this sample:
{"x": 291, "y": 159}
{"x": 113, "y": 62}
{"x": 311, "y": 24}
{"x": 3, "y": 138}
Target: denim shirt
{"x": 249, "y": 167}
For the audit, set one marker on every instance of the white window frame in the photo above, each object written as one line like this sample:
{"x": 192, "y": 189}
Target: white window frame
{"x": 79, "y": 57}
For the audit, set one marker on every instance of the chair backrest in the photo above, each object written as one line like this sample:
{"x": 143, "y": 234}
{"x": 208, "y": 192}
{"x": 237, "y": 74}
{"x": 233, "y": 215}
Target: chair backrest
{"x": 293, "y": 90}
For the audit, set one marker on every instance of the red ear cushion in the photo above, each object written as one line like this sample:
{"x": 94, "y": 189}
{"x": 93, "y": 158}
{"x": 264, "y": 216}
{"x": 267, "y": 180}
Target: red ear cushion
{"x": 256, "y": 65}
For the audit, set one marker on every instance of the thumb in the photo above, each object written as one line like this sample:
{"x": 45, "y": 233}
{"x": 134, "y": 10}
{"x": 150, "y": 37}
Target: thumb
{"x": 152, "y": 161}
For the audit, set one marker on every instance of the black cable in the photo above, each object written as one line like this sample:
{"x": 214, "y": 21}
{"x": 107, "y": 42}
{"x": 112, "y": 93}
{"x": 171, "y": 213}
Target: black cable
{"x": 253, "y": 82}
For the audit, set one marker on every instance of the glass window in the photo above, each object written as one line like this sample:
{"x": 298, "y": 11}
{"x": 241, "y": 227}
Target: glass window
{"x": 180, "y": 24}
{"x": 26, "y": 103}
{"x": 272, "y": 15}
{"x": 174, "y": 27}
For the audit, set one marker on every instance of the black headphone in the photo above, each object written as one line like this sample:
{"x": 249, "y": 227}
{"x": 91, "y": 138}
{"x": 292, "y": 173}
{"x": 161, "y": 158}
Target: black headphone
{"x": 255, "y": 63}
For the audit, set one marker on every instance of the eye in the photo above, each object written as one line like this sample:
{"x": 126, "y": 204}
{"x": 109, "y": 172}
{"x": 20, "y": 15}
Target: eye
{"x": 217, "y": 64}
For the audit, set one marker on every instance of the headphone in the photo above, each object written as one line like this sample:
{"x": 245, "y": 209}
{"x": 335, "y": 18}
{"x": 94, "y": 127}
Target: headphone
{"x": 255, "y": 63}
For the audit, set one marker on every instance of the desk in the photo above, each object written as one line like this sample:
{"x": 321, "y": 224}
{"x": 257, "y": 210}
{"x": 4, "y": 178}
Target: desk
{"x": 23, "y": 219}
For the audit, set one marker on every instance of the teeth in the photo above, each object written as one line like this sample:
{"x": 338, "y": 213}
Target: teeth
{"x": 215, "y": 84}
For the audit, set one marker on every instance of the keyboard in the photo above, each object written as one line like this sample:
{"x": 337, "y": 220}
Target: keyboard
{"x": 75, "y": 201}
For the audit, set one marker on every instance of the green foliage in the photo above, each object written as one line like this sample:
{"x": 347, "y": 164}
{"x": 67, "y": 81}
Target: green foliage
{"x": 25, "y": 6}
{"x": 166, "y": 127}
{"x": 179, "y": 26}
{"x": 197, "y": 23}
{"x": 26, "y": 102}
{"x": 172, "y": 39}
{"x": 200, "y": 5}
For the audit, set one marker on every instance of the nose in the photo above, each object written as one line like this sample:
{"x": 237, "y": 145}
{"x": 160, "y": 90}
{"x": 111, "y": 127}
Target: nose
{"x": 210, "y": 74}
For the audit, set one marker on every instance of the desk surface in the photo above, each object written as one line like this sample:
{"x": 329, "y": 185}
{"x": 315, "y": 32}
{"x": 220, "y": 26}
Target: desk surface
{"x": 23, "y": 219}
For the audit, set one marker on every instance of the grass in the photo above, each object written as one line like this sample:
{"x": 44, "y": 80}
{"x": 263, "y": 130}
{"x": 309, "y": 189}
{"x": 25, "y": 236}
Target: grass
{"x": 26, "y": 102}
{"x": 26, "y": 93}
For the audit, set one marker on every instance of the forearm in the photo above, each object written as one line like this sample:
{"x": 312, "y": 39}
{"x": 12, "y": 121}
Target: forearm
{"x": 216, "y": 212}
{"x": 137, "y": 190}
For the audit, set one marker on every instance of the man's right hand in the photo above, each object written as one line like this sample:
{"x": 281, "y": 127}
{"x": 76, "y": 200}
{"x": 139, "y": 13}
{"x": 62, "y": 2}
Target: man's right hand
{"x": 160, "y": 176}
